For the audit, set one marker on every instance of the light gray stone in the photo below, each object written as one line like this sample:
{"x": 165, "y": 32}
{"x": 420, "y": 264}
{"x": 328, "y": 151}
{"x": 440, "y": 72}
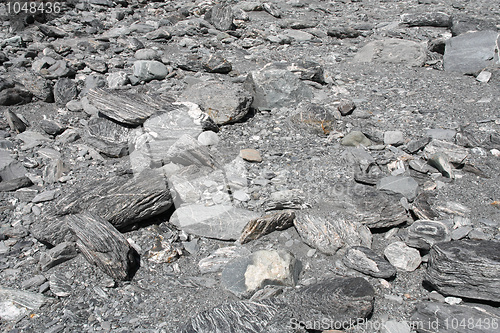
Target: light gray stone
{"x": 147, "y": 70}
{"x": 395, "y": 51}
{"x": 402, "y": 256}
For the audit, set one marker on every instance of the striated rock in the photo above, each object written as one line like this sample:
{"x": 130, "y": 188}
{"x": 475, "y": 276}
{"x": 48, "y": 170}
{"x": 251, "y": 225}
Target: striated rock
{"x": 424, "y": 234}
{"x": 224, "y": 102}
{"x": 188, "y": 151}
{"x": 108, "y": 137}
{"x": 64, "y": 91}
{"x": 422, "y": 209}
{"x": 217, "y": 260}
{"x": 102, "y": 245}
{"x": 330, "y": 234}
{"x": 377, "y": 209}
{"x": 221, "y": 17}
{"x": 265, "y": 225}
{"x": 15, "y": 304}
{"x": 245, "y": 275}
{"x": 125, "y": 107}
{"x": 466, "y": 269}
{"x": 368, "y": 262}
{"x": 440, "y": 317}
{"x": 220, "y": 221}
{"x": 343, "y": 32}
{"x": 455, "y": 153}
{"x": 217, "y": 64}
{"x": 40, "y": 87}
{"x": 274, "y": 88}
{"x": 120, "y": 200}
{"x": 60, "y": 285}
{"x": 52, "y": 127}
{"x": 403, "y": 257}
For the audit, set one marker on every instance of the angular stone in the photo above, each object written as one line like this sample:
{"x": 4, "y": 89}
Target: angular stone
{"x": 9, "y": 167}
{"x": 217, "y": 64}
{"x": 14, "y": 304}
{"x": 224, "y": 102}
{"x": 439, "y": 317}
{"x": 394, "y": 51}
{"x": 393, "y": 326}
{"x": 217, "y": 260}
{"x": 117, "y": 79}
{"x": 102, "y": 245}
{"x": 108, "y": 137}
{"x": 415, "y": 145}
{"x": 40, "y": 87}
{"x": 220, "y": 222}
{"x": 441, "y": 162}
{"x": 403, "y": 257}
{"x": 51, "y": 230}
{"x": 354, "y": 139}
{"x": 64, "y": 91}
{"x": 431, "y": 19}
{"x": 422, "y": 209}
{"x": 455, "y": 153}
{"x": 163, "y": 251}
{"x": 120, "y": 200}
{"x": 15, "y": 123}
{"x": 314, "y": 117}
{"x": 188, "y": 151}
{"x": 394, "y": 138}
{"x": 471, "y": 52}
{"x": 14, "y": 96}
{"x": 147, "y": 70}
{"x": 51, "y": 31}
{"x": 126, "y": 107}
{"x": 245, "y": 275}
{"x": 265, "y": 225}
{"x": 271, "y": 9}
{"x": 15, "y": 184}
{"x": 52, "y": 127}
{"x": 60, "y": 285}
{"x": 221, "y": 17}
{"x": 407, "y": 186}
{"x": 329, "y": 235}
{"x": 368, "y": 262}
{"x": 466, "y": 269}
{"x": 45, "y": 196}
{"x": 274, "y": 88}
{"x": 346, "y": 107}
{"x": 424, "y": 234}
{"x": 57, "y": 255}
{"x": 343, "y": 32}
{"x": 250, "y": 155}
{"x": 34, "y": 282}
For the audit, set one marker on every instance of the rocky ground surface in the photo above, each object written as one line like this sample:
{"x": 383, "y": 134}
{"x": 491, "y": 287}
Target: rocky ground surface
{"x": 248, "y": 166}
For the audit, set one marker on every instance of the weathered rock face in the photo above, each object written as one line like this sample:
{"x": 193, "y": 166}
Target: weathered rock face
{"x": 102, "y": 245}
{"x": 266, "y": 224}
{"x": 223, "y": 101}
{"x": 120, "y": 200}
{"x": 466, "y": 269}
{"x": 424, "y": 234}
{"x": 368, "y": 262}
{"x": 395, "y": 51}
{"x": 437, "y": 317}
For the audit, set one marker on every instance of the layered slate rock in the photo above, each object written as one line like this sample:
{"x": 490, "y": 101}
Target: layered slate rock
{"x": 466, "y": 268}
{"x": 245, "y": 275}
{"x": 330, "y": 234}
{"x": 431, "y": 19}
{"x": 102, "y": 245}
{"x": 266, "y": 224}
{"x": 225, "y": 102}
{"x": 126, "y": 107}
{"x": 217, "y": 260}
{"x": 221, "y": 17}
{"x": 15, "y": 304}
{"x": 471, "y": 52}
{"x": 273, "y": 88}
{"x": 442, "y": 317}
{"x": 342, "y": 301}
{"x": 188, "y": 151}
{"x": 453, "y": 152}
{"x": 424, "y": 234}
{"x": 223, "y": 222}
{"x": 394, "y": 51}
{"x": 366, "y": 261}
{"x": 107, "y": 137}
{"x": 120, "y": 200}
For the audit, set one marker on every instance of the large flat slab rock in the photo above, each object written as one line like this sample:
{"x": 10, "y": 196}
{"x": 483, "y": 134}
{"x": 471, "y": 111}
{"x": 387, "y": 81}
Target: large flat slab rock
{"x": 393, "y": 51}
{"x": 471, "y": 52}
{"x": 104, "y": 246}
{"x": 223, "y": 222}
{"x": 466, "y": 268}
{"x": 120, "y": 200}
{"x": 445, "y": 318}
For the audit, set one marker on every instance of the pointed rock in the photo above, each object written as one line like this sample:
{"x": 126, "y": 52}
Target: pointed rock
{"x": 265, "y": 225}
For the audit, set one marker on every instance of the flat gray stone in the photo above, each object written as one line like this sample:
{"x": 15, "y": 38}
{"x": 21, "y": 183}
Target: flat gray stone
{"x": 471, "y": 52}
{"x": 407, "y": 186}
{"x": 355, "y": 139}
{"x": 466, "y": 269}
{"x": 222, "y": 222}
{"x": 57, "y": 255}
{"x": 394, "y": 51}
{"x": 424, "y": 234}
{"x": 432, "y": 19}
{"x": 368, "y": 262}
{"x": 403, "y": 257}
{"x": 456, "y": 154}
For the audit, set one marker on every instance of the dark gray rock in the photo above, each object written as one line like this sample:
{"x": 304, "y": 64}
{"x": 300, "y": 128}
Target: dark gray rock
{"x": 274, "y": 88}
{"x": 126, "y": 107}
{"x": 224, "y": 102}
{"x": 343, "y": 32}
{"x": 407, "y": 186}
{"x": 108, "y": 137}
{"x": 120, "y": 200}
{"x": 422, "y": 209}
{"x": 52, "y": 127}
{"x": 16, "y": 124}
{"x": 60, "y": 285}
{"x": 57, "y": 255}
{"x": 368, "y": 262}
{"x": 432, "y": 19}
{"x": 40, "y": 87}
{"x": 217, "y": 64}
{"x": 220, "y": 221}
{"x": 265, "y": 225}
{"x": 10, "y": 168}
{"x": 424, "y": 234}
{"x": 441, "y": 162}
{"x": 221, "y": 17}
{"x": 102, "y": 245}
{"x": 471, "y": 52}
{"x": 14, "y": 96}
{"x": 51, "y": 31}
{"x": 466, "y": 269}
{"x": 15, "y": 184}
{"x": 441, "y": 317}
{"x": 339, "y": 300}
{"x": 64, "y": 91}
{"x": 415, "y": 145}
{"x": 346, "y": 107}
